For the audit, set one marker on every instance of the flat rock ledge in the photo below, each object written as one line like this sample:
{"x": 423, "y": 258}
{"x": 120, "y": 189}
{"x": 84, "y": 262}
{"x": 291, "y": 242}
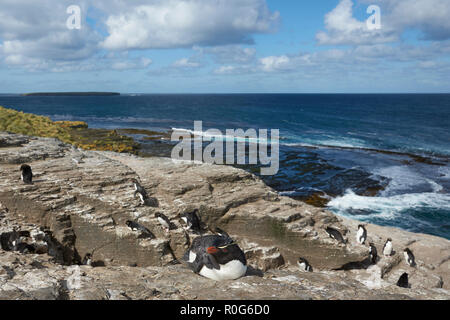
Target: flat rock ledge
{"x": 80, "y": 201}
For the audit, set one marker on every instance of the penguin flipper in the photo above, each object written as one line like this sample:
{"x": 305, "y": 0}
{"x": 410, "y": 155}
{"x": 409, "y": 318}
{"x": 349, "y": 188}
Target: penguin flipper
{"x": 186, "y": 256}
{"x": 197, "y": 265}
{"x": 210, "y": 262}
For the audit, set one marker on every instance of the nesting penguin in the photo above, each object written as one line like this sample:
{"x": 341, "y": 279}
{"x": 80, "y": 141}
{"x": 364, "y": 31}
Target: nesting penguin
{"x": 135, "y": 226}
{"x": 192, "y": 221}
{"x": 335, "y": 234}
{"x": 140, "y": 191}
{"x": 361, "y": 235}
{"x": 143, "y": 196}
{"x": 409, "y": 257}
{"x": 24, "y": 248}
{"x": 12, "y": 240}
{"x": 388, "y": 249}
{"x": 27, "y": 174}
{"x": 137, "y": 186}
{"x": 403, "y": 281}
{"x": 216, "y": 257}
{"x": 164, "y": 221}
{"x": 304, "y": 265}
{"x": 373, "y": 254}
{"x": 87, "y": 261}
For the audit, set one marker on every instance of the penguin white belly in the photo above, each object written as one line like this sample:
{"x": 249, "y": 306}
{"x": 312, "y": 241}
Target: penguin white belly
{"x": 192, "y": 257}
{"x": 230, "y": 271}
{"x": 388, "y": 249}
{"x": 187, "y": 227}
{"x": 303, "y": 266}
{"x": 21, "y": 176}
{"x": 359, "y": 236}
{"x": 408, "y": 260}
{"x": 163, "y": 223}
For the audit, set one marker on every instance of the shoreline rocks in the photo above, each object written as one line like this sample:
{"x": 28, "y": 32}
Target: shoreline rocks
{"x": 85, "y": 204}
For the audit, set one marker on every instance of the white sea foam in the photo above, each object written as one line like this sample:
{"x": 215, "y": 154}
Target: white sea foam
{"x": 223, "y": 137}
{"x": 445, "y": 172}
{"x": 436, "y": 186}
{"x": 387, "y": 207}
{"x": 336, "y": 143}
{"x": 404, "y": 179}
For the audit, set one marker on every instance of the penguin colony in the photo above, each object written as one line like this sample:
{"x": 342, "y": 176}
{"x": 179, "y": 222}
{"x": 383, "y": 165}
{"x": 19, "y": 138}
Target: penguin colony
{"x": 215, "y": 256}
{"x": 361, "y": 237}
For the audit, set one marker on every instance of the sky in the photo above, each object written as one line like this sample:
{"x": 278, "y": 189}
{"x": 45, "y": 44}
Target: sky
{"x": 225, "y": 46}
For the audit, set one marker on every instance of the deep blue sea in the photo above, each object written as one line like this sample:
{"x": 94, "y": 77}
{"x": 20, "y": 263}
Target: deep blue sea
{"x": 360, "y": 152}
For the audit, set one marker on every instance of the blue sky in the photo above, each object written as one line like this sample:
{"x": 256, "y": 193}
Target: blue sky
{"x": 218, "y": 46}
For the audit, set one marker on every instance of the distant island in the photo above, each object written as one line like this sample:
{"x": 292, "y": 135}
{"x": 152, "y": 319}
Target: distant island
{"x": 71, "y": 94}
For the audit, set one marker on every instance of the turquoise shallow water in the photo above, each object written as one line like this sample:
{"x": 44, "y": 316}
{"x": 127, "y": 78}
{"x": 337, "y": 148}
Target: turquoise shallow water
{"x": 332, "y": 145}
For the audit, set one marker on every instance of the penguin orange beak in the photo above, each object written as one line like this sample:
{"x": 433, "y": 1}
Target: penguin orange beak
{"x": 212, "y": 250}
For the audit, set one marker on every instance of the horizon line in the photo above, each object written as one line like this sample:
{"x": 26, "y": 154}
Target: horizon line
{"x": 227, "y": 93}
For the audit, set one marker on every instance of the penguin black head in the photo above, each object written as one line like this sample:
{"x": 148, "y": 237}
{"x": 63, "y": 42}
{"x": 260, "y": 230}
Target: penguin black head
{"x": 129, "y": 223}
{"x": 227, "y": 253}
{"x": 389, "y": 240}
{"x": 25, "y": 167}
{"x": 87, "y": 256}
{"x": 192, "y": 220}
{"x": 361, "y": 227}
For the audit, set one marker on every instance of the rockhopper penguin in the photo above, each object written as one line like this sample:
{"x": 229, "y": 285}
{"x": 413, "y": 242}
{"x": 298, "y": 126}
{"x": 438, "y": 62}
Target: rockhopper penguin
{"x": 216, "y": 257}
{"x": 27, "y": 174}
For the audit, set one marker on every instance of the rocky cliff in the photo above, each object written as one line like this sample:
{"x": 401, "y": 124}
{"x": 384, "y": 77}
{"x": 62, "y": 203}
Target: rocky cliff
{"x": 80, "y": 201}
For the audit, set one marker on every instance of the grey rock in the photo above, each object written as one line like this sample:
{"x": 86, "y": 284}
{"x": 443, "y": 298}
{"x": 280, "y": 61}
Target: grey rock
{"x": 84, "y": 207}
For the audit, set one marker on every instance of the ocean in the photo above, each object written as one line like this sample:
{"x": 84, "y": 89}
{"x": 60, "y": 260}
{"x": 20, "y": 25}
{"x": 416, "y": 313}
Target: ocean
{"x": 377, "y": 158}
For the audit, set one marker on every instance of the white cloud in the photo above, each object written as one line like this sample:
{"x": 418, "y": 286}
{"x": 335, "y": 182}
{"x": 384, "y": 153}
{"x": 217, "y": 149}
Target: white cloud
{"x": 185, "y": 23}
{"x": 343, "y": 28}
{"x": 185, "y": 63}
{"x": 431, "y": 17}
{"x": 225, "y": 70}
{"x": 140, "y": 63}
{"x": 35, "y": 35}
{"x": 229, "y": 54}
{"x": 275, "y": 63}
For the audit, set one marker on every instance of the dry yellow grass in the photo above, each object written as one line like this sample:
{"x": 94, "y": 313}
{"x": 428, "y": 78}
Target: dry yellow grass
{"x": 73, "y": 132}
